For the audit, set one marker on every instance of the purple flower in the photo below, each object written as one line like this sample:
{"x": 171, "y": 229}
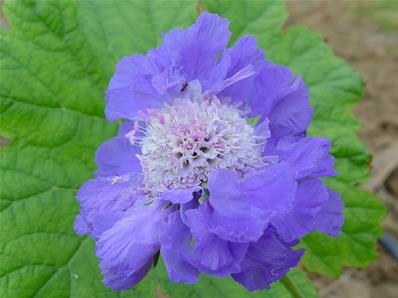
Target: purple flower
{"x": 190, "y": 178}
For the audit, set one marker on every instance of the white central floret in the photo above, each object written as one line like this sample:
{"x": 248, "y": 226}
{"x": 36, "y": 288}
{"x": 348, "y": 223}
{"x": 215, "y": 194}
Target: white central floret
{"x": 185, "y": 141}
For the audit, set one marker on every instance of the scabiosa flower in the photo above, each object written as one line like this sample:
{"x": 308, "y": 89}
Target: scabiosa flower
{"x": 211, "y": 167}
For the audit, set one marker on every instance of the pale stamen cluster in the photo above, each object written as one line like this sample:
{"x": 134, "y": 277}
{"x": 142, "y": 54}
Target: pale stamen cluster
{"x": 183, "y": 142}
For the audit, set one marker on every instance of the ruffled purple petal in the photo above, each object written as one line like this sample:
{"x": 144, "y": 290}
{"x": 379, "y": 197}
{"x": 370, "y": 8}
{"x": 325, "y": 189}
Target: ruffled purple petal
{"x": 179, "y": 196}
{"x": 245, "y": 52}
{"x": 130, "y": 89}
{"x": 271, "y": 189}
{"x": 126, "y": 250}
{"x": 242, "y": 55}
{"x": 330, "y": 219}
{"x": 283, "y": 98}
{"x": 117, "y": 157}
{"x": 80, "y": 226}
{"x": 311, "y": 196}
{"x": 243, "y": 208}
{"x": 142, "y": 82}
{"x": 234, "y": 218}
{"x": 175, "y": 242}
{"x": 193, "y": 204}
{"x": 240, "y": 75}
{"x": 307, "y": 156}
{"x": 105, "y": 221}
{"x": 240, "y": 229}
{"x": 261, "y": 130}
{"x": 105, "y": 197}
{"x": 209, "y": 253}
{"x": 116, "y": 282}
{"x": 194, "y": 49}
{"x": 266, "y": 261}
{"x": 292, "y": 113}
{"x": 125, "y": 127}
{"x": 266, "y": 89}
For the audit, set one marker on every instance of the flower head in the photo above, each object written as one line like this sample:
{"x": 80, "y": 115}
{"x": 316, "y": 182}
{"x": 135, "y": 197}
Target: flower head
{"x": 190, "y": 176}
{"x": 184, "y": 142}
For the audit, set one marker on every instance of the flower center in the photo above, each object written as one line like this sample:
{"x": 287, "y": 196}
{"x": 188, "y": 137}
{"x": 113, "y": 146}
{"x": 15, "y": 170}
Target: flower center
{"x": 185, "y": 141}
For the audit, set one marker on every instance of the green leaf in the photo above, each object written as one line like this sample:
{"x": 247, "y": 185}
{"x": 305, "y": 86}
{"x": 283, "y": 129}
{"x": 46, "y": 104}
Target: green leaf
{"x": 250, "y": 17}
{"x": 253, "y": 120}
{"x": 56, "y": 62}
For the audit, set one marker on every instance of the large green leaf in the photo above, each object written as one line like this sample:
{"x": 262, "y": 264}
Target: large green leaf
{"x": 56, "y": 61}
{"x": 250, "y": 17}
{"x": 334, "y": 89}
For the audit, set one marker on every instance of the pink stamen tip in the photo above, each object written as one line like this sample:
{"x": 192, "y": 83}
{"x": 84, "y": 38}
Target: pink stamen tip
{"x": 131, "y": 136}
{"x": 141, "y": 114}
{"x": 161, "y": 119}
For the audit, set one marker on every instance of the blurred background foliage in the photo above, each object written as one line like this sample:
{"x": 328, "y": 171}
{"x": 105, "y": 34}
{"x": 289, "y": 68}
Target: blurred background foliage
{"x": 382, "y": 12}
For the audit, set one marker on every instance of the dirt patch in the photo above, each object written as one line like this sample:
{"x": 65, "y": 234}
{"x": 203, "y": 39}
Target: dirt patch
{"x": 369, "y": 43}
